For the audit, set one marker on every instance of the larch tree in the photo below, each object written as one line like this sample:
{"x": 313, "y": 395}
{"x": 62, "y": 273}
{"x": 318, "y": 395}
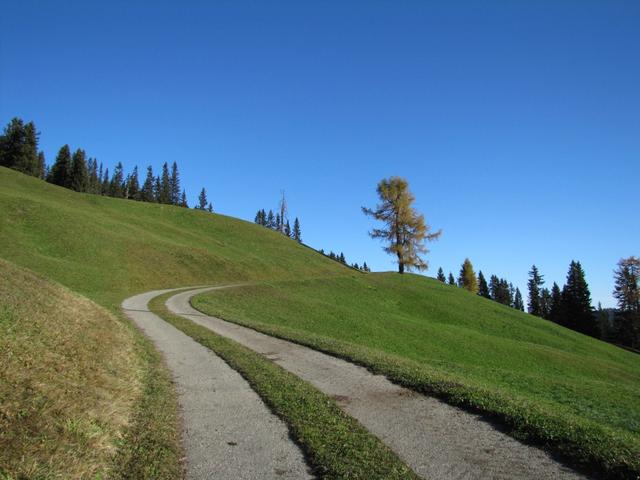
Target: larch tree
{"x": 404, "y": 230}
{"x": 467, "y": 278}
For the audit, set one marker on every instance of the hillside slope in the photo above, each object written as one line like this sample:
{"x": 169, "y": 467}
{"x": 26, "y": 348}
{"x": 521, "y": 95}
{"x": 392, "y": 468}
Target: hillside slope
{"x": 109, "y": 249}
{"x": 549, "y": 384}
{"x": 68, "y": 380}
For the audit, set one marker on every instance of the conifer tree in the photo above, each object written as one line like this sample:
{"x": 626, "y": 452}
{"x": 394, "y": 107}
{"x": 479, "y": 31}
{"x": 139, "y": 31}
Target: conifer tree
{"x": 405, "y": 230}
{"x": 106, "y": 183}
{"x": 61, "y": 170}
{"x": 365, "y": 267}
{"x": 19, "y": 147}
{"x": 287, "y": 229}
{"x": 627, "y": 294}
{"x": 271, "y": 221}
{"x": 342, "y": 258}
{"x": 202, "y": 200}
{"x": 534, "y": 284}
{"x": 174, "y": 184}
{"x": 452, "y": 281}
{"x": 256, "y": 219}
{"x": 210, "y": 208}
{"x": 165, "y": 185}
{"x": 278, "y": 222}
{"x": 42, "y": 166}
{"x": 545, "y": 303}
{"x": 467, "y": 278}
{"x": 576, "y": 302}
{"x": 555, "y": 310}
{"x": 297, "y": 234}
{"x": 147, "y": 191}
{"x": 183, "y": 200}
{"x": 94, "y": 182}
{"x": 483, "y": 288}
{"x": 133, "y": 185}
{"x": 79, "y": 173}
{"x": 518, "y": 303}
{"x": 283, "y": 212}
{"x": 117, "y": 186}
{"x": 440, "y": 276}
{"x": 157, "y": 189}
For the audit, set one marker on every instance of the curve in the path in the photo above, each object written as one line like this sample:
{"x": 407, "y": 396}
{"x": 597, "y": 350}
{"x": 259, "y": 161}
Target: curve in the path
{"x": 228, "y": 433}
{"x": 436, "y": 440}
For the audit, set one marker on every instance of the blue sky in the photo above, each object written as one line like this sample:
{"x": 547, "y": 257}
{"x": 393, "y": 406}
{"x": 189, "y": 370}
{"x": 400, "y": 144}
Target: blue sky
{"x": 517, "y": 124}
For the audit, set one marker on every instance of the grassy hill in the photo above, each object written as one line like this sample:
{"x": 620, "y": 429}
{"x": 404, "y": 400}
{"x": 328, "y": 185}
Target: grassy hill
{"x": 57, "y": 347}
{"x": 575, "y": 394}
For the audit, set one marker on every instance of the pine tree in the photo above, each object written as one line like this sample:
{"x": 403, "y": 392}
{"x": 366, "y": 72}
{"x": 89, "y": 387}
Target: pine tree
{"x": 79, "y": 173}
{"x": 117, "y": 186}
{"x": 61, "y": 170}
{"x": 534, "y": 284}
{"x": 271, "y": 221}
{"x": 183, "y": 200}
{"x": 174, "y": 184}
{"x": 365, "y": 267}
{"x": 342, "y": 258}
{"x": 278, "y": 222}
{"x": 555, "y": 310}
{"x": 210, "y": 208}
{"x": 405, "y": 230}
{"x": 287, "y": 229}
{"x": 257, "y": 219}
{"x": 576, "y": 302}
{"x": 483, "y": 288}
{"x": 202, "y": 200}
{"x": 518, "y": 303}
{"x": 133, "y": 185}
{"x": 452, "y": 281}
{"x": 147, "y": 191}
{"x": 297, "y": 234}
{"x": 627, "y": 293}
{"x": 440, "y": 276}
{"x": 467, "y": 278}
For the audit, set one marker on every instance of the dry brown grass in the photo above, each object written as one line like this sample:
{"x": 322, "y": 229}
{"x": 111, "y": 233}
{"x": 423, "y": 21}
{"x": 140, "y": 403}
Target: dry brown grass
{"x": 69, "y": 376}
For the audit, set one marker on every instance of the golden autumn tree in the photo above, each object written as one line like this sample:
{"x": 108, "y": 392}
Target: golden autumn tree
{"x": 405, "y": 230}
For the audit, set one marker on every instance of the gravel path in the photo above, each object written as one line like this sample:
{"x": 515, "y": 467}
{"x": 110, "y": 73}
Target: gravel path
{"x": 228, "y": 433}
{"x": 436, "y": 440}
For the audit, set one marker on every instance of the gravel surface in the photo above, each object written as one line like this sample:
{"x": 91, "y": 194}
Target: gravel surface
{"x": 228, "y": 433}
{"x": 436, "y": 440}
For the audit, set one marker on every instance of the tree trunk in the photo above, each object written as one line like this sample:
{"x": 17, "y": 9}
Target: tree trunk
{"x": 400, "y": 264}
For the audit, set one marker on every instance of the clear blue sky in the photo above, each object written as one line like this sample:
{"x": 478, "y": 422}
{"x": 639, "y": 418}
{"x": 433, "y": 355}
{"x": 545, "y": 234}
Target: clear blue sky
{"x": 516, "y": 123}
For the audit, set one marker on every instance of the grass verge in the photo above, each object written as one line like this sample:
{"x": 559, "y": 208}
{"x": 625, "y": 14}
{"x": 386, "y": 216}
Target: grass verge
{"x": 335, "y": 444}
{"x": 358, "y": 322}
